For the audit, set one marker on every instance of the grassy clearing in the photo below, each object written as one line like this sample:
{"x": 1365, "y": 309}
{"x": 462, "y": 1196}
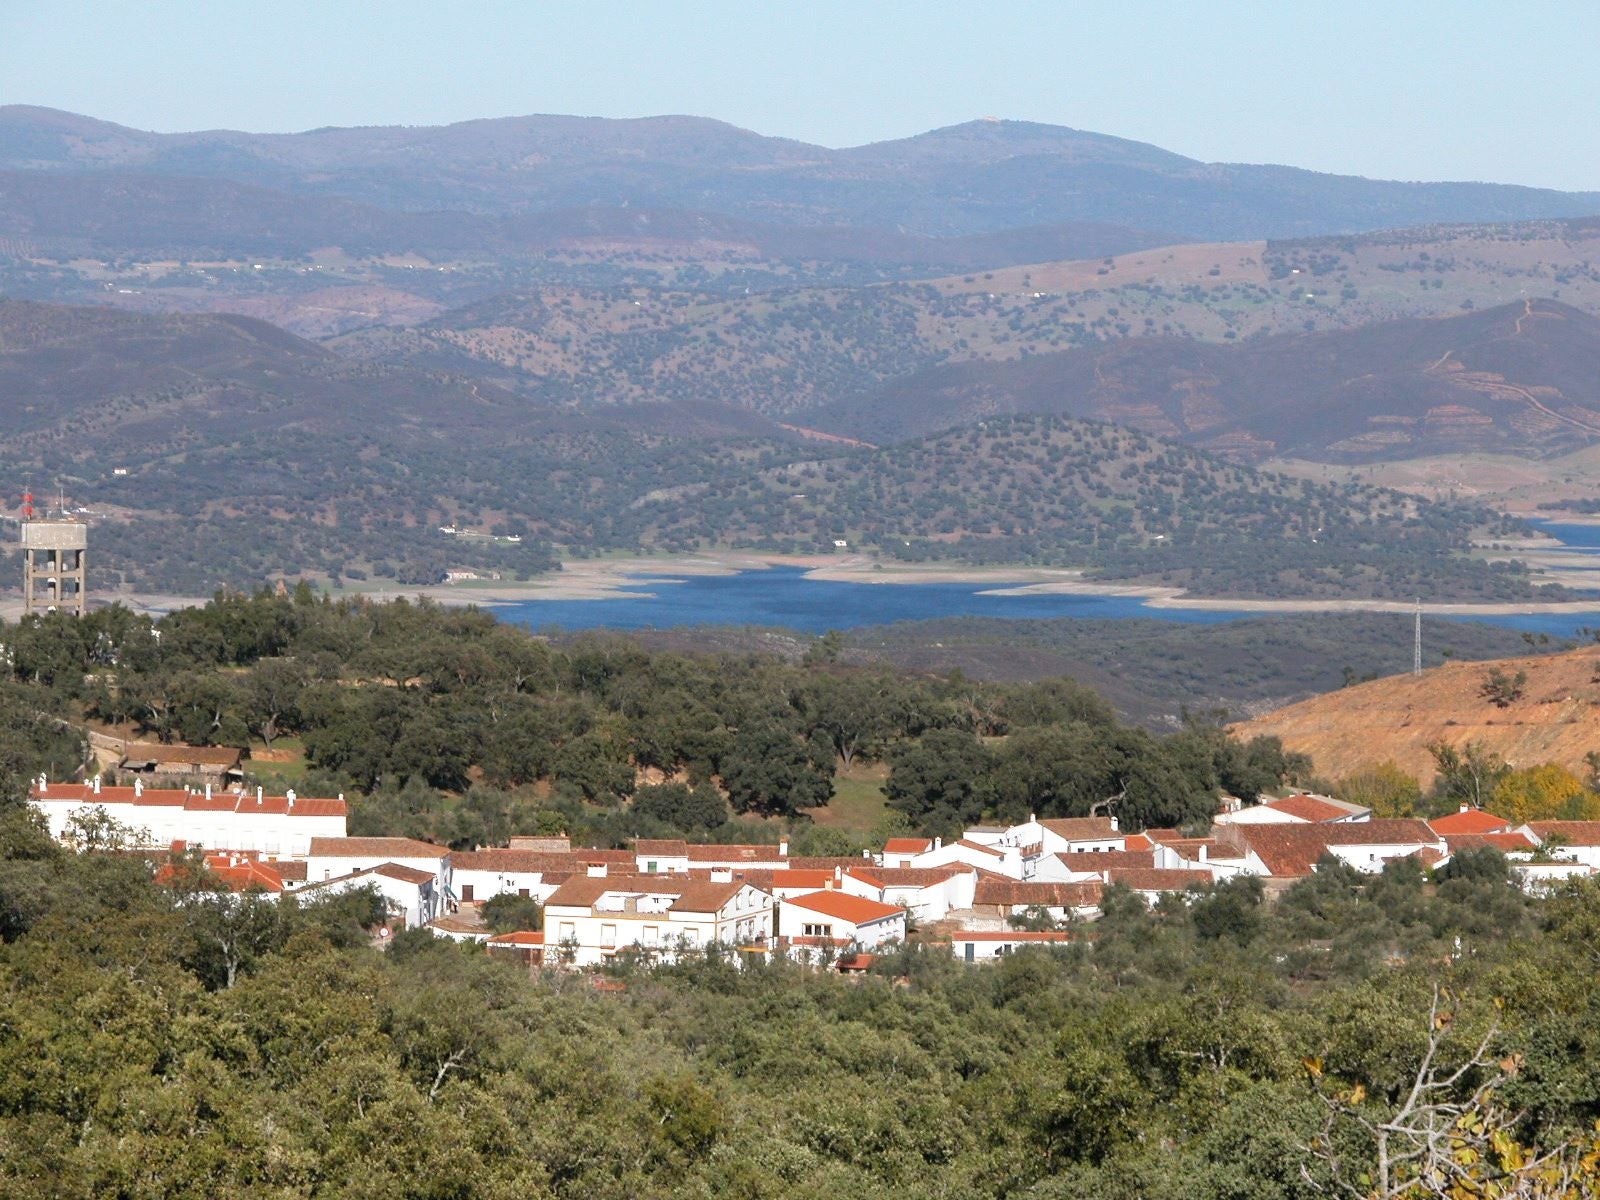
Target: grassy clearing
{"x": 858, "y": 802}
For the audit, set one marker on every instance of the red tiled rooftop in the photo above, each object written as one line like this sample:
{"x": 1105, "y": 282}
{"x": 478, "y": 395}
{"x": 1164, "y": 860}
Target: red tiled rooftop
{"x": 1469, "y": 820}
{"x": 907, "y": 846}
{"x": 1308, "y": 808}
{"x": 374, "y": 847}
{"x": 1012, "y": 893}
{"x": 856, "y": 909}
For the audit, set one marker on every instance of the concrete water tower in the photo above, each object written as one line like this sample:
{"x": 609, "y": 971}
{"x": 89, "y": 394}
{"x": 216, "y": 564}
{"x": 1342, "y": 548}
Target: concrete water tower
{"x": 54, "y": 550}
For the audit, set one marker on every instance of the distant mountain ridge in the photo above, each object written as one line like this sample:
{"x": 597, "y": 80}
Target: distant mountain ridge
{"x": 975, "y": 177}
{"x": 1522, "y": 378}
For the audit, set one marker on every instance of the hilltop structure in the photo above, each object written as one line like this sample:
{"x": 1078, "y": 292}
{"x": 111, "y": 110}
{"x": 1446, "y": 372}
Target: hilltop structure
{"x": 54, "y": 560}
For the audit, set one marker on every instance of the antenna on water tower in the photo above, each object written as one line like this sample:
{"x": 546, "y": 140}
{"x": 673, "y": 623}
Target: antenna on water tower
{"x": 1416, "y": 649}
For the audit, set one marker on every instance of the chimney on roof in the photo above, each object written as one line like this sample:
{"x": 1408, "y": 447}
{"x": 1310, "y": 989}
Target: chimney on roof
{"x": 1203, "y": 851}
{"x": 44, "y": 784}
{"x": 1105, "y": 875}
{"x": 838, "y": 878}
{"x": 259, "y": 798}
{"x": 208, "y": 791}
{"x": 1033, "y": 818}
{"x": 97, "y": 785}
{"x": 597, "y": 870}
{"x": 938, "y": 843}
{"x": 1464, "y": 807}
{"x": 1113, "y": 825}
{"x": 138, "y": 787}
{"x": 783, "y": 848}
{"x": 341, "y": 797}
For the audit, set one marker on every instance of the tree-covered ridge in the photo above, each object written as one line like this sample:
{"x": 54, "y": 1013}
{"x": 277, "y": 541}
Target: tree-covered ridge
{"x": 1065, "y": 493}
{"x": 449, "y": 725}
{"x": 224, "y": 451}
{"x": 167, "y": 1041}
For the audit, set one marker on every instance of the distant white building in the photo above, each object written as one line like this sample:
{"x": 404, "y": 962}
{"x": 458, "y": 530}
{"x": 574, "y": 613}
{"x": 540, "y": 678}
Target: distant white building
{"x": 591, "y": 918}
{"x": 411, "y": 897}
{"x": 333, "y": 858}
{"x": 273, "y": 826}
{"x": 1301, "y": 809}
{"x": 824, "y": 924}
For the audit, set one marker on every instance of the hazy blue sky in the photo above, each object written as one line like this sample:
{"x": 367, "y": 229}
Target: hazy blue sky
{"x": 1420, "y": 89}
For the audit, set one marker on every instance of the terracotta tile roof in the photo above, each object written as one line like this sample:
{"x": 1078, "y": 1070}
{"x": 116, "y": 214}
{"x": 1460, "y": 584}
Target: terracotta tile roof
{"x": 1505, "y": 841}
{"x": 220, "y": 801}
{"x": 1293, "y": 850}
{"x": 238, "y": 872}
{"x": 289, "y": 871}
{"x": 1138, "y": 841}
{"x": 319, "y": 806}
{"x": 216, "y": 802}
{"x": 735, "y": 854}
{"x": 522, "y": 862}
{"x": 1308, "y": 808}
{"x": 907, "y": 846}
{"x": 703, "y": 896}
{"x": 856, "y": 909}
{"x": 404, "y": 874}
{"x": 827, "y": 863}
{"x": 374, "y": 847}
{"x": 522, "y": 937}
{"x": 1573, "y": 833}
{"x": 980, "y": 847}
{"x": 661, "y": 847}
{"x": 1469, "y": 820}
{"x": 1081, "y": 829}
{"x": 154, "y": 798}
{"x": 1017, "y": 893}
{"x": 912, "y": 877}
{"x": 1158, "y": 879}
{"x": 795, "y": 877}
{"x": 618, "y": 858}
{"x": 1100, "y": 860}
{"x": 1161, "y": 836}
{"x": 690, "y": 895}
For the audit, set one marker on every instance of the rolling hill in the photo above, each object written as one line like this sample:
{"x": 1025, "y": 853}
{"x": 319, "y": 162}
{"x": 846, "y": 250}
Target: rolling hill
{"x": 975, "y": 177}
{"x": 1398, "y": 717}
{"x": 840, "y": 357}
{"x": 223, "y": 449}
{"x": 1053, "y": 491}
{"x": 1522, "y": 378}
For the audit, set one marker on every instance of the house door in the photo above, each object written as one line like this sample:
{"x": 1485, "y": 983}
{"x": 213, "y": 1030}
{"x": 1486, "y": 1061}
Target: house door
{"x": 466, "y": 893}
{"x": 970, "y": 949}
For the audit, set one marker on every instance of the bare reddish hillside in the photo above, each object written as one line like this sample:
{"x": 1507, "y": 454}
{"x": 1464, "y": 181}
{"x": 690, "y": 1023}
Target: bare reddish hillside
{"x": 1557, "y": 718}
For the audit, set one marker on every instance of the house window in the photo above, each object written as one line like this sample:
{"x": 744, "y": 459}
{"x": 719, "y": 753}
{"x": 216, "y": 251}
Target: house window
{"x": 608, "y": 936}
{"x": 691, "y": 937}
{"x": 650, "y": 868}
{"x": 652, "y": 935}
{"x": 569, "y": 932}
{"x": 522, "y": 891}
{"x": 466, "y": 893}
{"x": 816, "y": 930}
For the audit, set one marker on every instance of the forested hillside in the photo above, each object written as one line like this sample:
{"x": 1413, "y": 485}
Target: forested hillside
{"x": 447, "y": 724}
{"x": 1211, "y": 1051}
{"x": 1517, "y": 379}
{"x": 221, "y": 450}
{"x": 1048, "y": 490}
